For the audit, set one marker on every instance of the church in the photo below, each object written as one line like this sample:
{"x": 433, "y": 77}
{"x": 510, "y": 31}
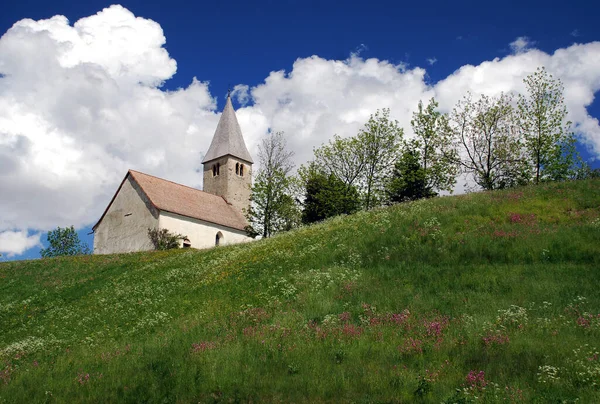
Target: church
{"x": 207, "y": 218}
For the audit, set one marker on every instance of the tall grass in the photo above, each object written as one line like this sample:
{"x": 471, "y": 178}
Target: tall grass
{"x": 488, "y": 297}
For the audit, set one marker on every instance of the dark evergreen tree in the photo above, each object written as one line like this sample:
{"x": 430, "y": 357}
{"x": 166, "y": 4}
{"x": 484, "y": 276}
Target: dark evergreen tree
{"x": 409, "y": 179}
{"x": 327, "y": 196}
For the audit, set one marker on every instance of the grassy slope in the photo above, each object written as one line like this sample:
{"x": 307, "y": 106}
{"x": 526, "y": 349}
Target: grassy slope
{"x": 493, "y": 294}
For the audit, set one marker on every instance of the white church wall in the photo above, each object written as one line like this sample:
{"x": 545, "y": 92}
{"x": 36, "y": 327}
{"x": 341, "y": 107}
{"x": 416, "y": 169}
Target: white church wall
{"x": 201, "y": 234}
{"x": 124, "y": 228}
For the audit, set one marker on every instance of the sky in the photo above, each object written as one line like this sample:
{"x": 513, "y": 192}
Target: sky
{"x": 91, "y": 89}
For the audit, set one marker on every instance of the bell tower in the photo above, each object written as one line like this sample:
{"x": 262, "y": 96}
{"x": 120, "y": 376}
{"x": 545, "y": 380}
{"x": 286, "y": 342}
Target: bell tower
{"x": 228, "y": 164}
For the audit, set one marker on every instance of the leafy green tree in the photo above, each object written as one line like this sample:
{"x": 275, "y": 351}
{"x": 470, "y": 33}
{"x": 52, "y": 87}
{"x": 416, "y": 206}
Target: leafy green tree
{"x": 327, "y": 196}
{"x": 64, "y": 241}
{"x": 584, "y": 171}
{"x": 433, "y": 144}
{"x": 487, "y": 141}
{"x": 379, "y": 142}
{"x": 365, "y": 160}
{"x": 547, "y": 138}
{"x": 343, "y": 158}
{"x": 409, "y": 179}
{"x": 272, "y": 208}
{"x": 163, "y": 239}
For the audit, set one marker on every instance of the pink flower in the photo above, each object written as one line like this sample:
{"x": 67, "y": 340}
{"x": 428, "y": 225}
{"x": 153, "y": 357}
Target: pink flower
{"x": 203, "y": 346}
{"x": 476, "y": 380}
{"x": 583, "y": 322}
{"x": 411, "y": 345}
{"x": 345, "y": 317}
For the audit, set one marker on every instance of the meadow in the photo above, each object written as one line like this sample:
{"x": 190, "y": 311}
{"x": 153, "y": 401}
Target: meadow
{"x": 484, "y": 297}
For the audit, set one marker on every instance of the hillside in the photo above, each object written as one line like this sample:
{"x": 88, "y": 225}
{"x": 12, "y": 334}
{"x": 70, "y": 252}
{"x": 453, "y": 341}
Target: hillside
{"x": 490, "y": 297}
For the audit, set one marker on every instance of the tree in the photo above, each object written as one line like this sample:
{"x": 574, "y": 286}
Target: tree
{"x": 379, "y": 142}
{"x": 365, "y": 160}
{"x": 327, "y": 196}
{"x": 547, "y": 138}
{"x": 343, "y": 158}
{"x": 486, "y": 138}
{"x": 433, "y": 144}
{"x": 64, "y": 241}
{"x": 583, "y": 171}
{"x": 272, "y": 209}
{"x": 409, "y": 179}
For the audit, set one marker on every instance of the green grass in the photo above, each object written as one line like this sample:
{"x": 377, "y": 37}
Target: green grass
{"x": 489, "y": 297}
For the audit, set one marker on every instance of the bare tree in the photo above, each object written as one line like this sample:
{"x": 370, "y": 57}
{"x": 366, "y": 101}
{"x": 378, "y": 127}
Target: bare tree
{"x": 272, "y": 209}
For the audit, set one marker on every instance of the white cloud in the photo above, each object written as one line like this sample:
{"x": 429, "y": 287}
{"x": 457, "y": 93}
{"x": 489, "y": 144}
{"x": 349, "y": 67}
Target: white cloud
{"x": 240, "y": 92}
{"x": 16, "y": 242}
{"x": 81, "y": 104}
{"x": 319, "y": 97}
{"x": 521, "y": 44}
{"x": 431, "y": 61}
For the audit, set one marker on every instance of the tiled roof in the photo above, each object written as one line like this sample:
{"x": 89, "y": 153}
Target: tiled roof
{"x": 228, "y": 137}
{"x": 185, "y": 201}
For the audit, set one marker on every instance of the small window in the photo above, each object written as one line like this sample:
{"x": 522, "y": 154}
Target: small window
{"x": 242, "y": 170}
{"x": 218, "y": 238}
{"x": 214, "y": 170}
{"x": 218, "y": 167}
{"x": 237, "y": 168}
{"x": 187, "y": 243}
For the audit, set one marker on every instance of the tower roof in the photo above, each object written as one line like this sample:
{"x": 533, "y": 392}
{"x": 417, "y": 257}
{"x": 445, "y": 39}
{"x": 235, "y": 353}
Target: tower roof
{"x": 228, "y": 137}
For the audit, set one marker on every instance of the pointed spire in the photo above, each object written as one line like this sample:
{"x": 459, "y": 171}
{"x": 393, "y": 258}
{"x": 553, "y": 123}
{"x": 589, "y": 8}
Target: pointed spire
{"x": 228, "y": 137}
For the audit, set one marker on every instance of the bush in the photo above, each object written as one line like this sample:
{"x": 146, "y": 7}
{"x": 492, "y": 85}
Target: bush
{"x": 163, "y": 239}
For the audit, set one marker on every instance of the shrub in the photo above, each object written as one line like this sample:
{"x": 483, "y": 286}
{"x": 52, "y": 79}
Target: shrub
{"x": 163, "y": 239}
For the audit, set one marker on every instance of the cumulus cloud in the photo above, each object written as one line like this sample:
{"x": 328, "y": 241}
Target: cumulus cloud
{"x": 17, "y": 242}
{"x": 240, "y": 92}
{"x": 82, "y": 103}
{"x": 319, "y": 97}
{"x": 521, "y": 44}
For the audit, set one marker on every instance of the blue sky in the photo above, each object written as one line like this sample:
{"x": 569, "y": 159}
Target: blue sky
{"x": 81, "y": 106}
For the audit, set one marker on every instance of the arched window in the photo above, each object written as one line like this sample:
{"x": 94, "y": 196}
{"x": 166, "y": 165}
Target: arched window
{"x": 218, "y": 238}
{"x": 214, "y": 168}
{"x": 242, "y": 170}
{"x": 237, "y": 168}
{"x": 187, "y": 243}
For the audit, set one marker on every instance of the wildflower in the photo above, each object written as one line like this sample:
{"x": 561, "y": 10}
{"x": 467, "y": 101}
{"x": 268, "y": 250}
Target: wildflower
{"x": 203, "y": 346}
{"x": 476, "y": 380}
{"x": 495, "y": 339}
{"x": 345, "y": 317}
{"x": 412, "y": 345}
{"x": 583, "y": 322}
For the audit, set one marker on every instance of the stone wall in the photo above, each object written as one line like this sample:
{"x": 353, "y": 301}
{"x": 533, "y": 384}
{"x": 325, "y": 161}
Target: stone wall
{"x": 235, "y": 188}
